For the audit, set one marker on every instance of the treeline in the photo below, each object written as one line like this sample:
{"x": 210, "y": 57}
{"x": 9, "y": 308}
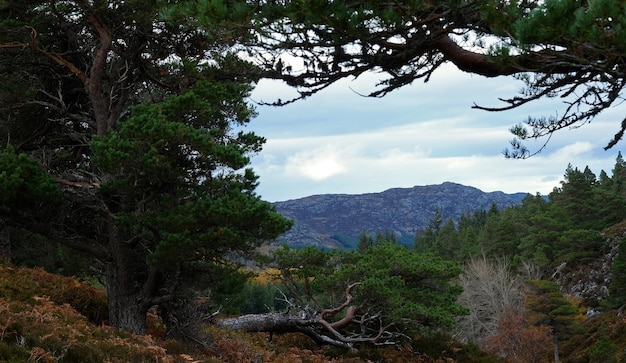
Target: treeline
{"x": 565, "y": 226}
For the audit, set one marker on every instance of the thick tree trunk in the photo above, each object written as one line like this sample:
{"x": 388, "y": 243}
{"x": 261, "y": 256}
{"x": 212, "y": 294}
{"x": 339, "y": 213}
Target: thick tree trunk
{"x": 5, "y": 243}
{"x": 270, "y": 322}
{"x": 312, "y": 324}
{"x": 127, "y": 308}
{"x": 286, "y": 323}
{"x": 126, "y": 311}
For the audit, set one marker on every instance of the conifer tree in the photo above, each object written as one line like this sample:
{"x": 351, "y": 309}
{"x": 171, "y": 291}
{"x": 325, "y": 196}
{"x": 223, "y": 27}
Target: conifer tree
{"x": 136, "y": 113}
{"x": 617, "y": 288}
{"x": 548, "y": 307}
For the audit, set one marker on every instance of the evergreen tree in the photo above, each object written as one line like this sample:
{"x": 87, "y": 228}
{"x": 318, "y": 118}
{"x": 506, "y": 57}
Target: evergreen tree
{"x": 365, "y": 243}
{"x": 448, "y": 243}
{"x": 604, "y": 181}
{"x": 619, "y": 175}
{"x": 27, "y": 194}
{"x": 135, "y": 112}
{"x": 426, "y": 238}
{"x": 617, "y": 287}
{"x": 503, "y": 232}
{"x": 548, "y": 307}
{"x": 576, "y": 197}
{"x": 390, "y": 292}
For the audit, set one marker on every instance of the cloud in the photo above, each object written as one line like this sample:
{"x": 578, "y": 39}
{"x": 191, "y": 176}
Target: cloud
{"x": 353, "y": 164}
{"x": 317, "y": 164}
{"x": 339, "y": 142}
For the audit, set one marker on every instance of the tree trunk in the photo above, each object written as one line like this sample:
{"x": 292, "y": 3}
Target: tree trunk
{"x": 126, "y": 311}
{"x": 5, "y": 243}
{"x": 127, "y": 308}
{"x": 555, "y": 343}
{"x": 285, "y": 323}
{"x": 312, "y": 325}
{"x": 270, "y": 322}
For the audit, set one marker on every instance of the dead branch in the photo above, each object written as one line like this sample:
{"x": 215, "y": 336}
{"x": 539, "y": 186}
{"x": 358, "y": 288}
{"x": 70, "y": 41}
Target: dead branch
{"x": 316, "y": 325}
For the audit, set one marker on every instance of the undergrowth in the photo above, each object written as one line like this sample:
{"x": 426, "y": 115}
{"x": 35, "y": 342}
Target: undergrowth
{"x": 50, "y": 318}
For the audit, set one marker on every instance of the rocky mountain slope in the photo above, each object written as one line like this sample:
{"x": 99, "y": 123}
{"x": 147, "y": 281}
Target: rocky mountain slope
{"x": 337, "y": 220}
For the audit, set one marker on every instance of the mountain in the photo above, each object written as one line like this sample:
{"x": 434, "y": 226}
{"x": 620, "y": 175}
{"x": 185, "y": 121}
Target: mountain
{"x": 338, "y": 220}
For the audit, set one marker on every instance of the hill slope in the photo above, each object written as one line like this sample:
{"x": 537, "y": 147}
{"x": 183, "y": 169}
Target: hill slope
{"x": 337, "y": 220}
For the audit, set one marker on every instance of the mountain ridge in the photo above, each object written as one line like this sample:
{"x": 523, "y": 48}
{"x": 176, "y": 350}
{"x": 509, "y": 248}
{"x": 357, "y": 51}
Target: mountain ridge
{"x": 337, "y": 220}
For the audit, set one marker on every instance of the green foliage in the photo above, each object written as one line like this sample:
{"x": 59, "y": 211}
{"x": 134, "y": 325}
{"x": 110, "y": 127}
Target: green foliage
{"x": 603, "y": 350}
{"x": 346, "y": 241}
{"x": 548, "y": 306}
{"x": 413, "y": 291}
{"x": 617, "y": 288}
{"x": 365, "y": 243}
{"x": 408, "y": 285}
{"x": 566, "y": 227}
{"x": 578, "y": 245}
{"x": 178, "y": 185}
{"x": 145, "y": 113}
{"x": 258, "y": 298}
{"x": 23, "y": 182}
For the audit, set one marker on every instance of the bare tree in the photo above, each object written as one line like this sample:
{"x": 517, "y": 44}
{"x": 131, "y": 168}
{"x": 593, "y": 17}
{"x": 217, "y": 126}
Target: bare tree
{"x": 489, "y": 287}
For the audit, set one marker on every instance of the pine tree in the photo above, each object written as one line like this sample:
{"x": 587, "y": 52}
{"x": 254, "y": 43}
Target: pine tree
{"x": 548, "y": 307}
{"x": 617, "y": 288}
{"x": 135, "y": 111}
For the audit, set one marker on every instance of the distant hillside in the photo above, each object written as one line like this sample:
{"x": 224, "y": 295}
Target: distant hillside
{"x": 337, "y": 220}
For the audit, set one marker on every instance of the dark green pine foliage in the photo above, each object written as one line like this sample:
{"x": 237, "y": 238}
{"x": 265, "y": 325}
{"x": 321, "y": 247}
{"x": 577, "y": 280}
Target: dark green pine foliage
{"x": 24, "y": 183}
{"x": 365, "y": 242}
{"x": 575, "y": 197}
{"x": 178, "y": 184}
{"x": 502, "y": 232}
{"x": 409, "y": 292}
{"x": 565, "y": 227}
{"x": 578, "y": 245}
{"x": 548, "y": 306}
{"x": 543, "y": 230}
{"x": 29, "y": 199}
{"x": 617, "y": 288}
{"x": 138, "y": 116}
{"x": 448, "y": 243}
{"x": 469, "y": 228}
{"x": 426, "y": 238}
{"x": 416, "y": 291}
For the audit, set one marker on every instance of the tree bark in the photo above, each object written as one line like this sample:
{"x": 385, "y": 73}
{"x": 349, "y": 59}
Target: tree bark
{"x": 127, "y": 308}
{"x": 5, "y": 243}
{"x": 555, "y": 344}
{"x": 286, "y": 323}
{"x": 270, "y": 322}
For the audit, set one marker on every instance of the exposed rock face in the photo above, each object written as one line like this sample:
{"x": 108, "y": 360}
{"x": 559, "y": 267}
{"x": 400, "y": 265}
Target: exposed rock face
{"x": 337, "y": 220}
{"x": 589, "y": 281}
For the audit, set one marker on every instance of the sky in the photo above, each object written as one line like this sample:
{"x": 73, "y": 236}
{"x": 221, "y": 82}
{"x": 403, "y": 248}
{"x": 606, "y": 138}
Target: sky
{"x": 340, "y": 142}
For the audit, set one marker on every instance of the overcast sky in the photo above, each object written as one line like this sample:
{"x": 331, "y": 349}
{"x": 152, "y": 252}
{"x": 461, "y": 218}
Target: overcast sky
{"x": 340, "y": 142}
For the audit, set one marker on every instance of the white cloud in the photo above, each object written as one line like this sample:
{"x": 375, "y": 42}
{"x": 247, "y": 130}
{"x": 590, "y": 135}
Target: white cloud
{"x": 339, "y": 142}
{"x": 397, "y": 155}
{"x": 317, "y": 164}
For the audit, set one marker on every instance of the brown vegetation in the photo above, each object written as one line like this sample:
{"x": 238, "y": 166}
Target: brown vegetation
{"x": 50, "y": 318}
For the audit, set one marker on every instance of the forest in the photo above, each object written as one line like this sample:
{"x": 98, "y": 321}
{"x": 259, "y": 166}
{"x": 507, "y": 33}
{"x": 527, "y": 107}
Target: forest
{"x": 124, "y": 167}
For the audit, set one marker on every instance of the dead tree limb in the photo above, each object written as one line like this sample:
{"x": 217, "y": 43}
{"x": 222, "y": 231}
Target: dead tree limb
{"x": 318, "y": 326}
